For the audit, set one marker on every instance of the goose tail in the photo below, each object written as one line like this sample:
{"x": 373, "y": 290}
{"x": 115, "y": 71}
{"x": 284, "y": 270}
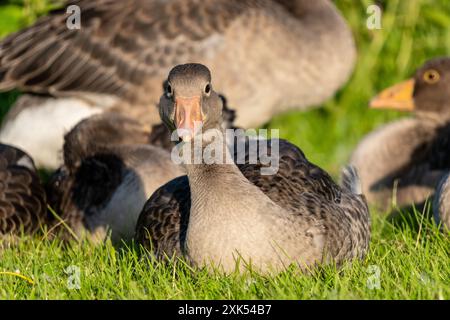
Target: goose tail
{"x": 350, "y": 180}
{"x": 440, "y": 207}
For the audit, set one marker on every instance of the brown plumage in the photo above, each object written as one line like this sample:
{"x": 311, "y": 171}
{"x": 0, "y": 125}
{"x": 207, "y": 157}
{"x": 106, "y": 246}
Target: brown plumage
{"x": 402, "y": 162}
{"x": 219, "y": 208}
{"x": 101, "y": 131}
{"x": 124, "y": 49}
{"x": 22, "y": 197}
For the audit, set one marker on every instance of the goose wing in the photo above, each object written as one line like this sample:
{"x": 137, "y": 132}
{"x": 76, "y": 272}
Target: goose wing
{"x": 295, "y": 177}
{"x": 22, "y": 197}
{"x": 161, "y": 227}
{"x": 119, "y": 44}
{"x": 99, "y": 132}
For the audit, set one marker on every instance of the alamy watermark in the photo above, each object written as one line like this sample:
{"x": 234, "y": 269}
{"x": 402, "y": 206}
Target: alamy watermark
{"x": 374, "y": 19}
{"x": 73, "y": 21}
{"x": 373, "y": 281}
{"x": 232, "y": 146}
{"x": 73, "y": 277}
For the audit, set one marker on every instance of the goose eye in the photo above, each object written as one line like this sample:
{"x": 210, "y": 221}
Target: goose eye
{"x": 431, "y": 76}
{"x": 169, "y": 90}
{"x": 208, "y": 89}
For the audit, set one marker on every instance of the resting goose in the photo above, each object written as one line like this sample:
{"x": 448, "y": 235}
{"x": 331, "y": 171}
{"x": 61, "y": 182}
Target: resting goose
{"x": 109, "y": 172}
{"x": 441, "y": 203}
{"x": 403, "y": 161}
{"x": 22, "y": 198}
{"x": 219, "y": 213}
{"x": 124, "y": 49}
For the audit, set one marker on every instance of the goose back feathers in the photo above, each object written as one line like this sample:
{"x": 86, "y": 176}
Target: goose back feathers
{"x": 124, "y": 49}
{"x": 22, "y": 197}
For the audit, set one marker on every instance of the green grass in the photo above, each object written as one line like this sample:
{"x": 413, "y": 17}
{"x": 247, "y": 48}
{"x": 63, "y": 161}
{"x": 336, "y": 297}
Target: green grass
{"x": 412, "y": 264}
{"x": 410, "y": 253}
{"x": 16, "y": 14}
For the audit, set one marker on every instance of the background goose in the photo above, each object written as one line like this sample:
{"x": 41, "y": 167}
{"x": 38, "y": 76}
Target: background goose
{"x": 404, "y": 160}
{"x": 109, "y": 172}
{"x": 124, "y": 49}
{"x": 22, "y": 197}
{"x": 441, "y": 203}
{"x": 219, "y": 211}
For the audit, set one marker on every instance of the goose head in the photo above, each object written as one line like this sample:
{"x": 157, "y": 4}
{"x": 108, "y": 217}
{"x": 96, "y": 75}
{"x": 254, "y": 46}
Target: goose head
{"x": 189, "y": 103}
{"x": 426, "y": 94}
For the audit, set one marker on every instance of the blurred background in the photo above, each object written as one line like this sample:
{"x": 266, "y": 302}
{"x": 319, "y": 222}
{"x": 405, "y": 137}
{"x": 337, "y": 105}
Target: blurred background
{"x": 412, "y": 32}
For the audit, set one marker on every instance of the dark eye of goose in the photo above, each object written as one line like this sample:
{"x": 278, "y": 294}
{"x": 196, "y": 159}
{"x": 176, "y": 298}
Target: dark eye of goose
{"x": 431, "y": 76}
{"x": 169, "y": 90}
{"x": 207, "y": 89}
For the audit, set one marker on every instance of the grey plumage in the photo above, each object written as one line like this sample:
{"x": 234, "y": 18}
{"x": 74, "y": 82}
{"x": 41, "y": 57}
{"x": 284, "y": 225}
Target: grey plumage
{"x": 220, "y": 210}
{"x": 351, "y": 181}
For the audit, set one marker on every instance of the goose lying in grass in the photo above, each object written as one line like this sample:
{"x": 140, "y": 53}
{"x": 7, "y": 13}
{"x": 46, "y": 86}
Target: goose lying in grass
{"x": 123, "y": 50}
{"x": 403, "y": 161}
{"x": 22, "y": 198}
{"x": 110, "y": 171}
{"x": 221, "y": 212}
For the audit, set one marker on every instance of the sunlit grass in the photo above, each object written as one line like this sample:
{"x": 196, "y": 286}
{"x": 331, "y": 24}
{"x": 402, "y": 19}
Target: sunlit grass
{"x": 403, "y": 263}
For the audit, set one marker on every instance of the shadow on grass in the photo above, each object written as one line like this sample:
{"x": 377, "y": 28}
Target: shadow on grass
{"x": 6, "y": 101}
{"x": 412, "y": 217}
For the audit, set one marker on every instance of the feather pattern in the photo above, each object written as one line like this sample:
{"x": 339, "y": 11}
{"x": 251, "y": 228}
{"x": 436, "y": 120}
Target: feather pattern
{"x": 22, "y": 197}
{"x": 121, "y": 43}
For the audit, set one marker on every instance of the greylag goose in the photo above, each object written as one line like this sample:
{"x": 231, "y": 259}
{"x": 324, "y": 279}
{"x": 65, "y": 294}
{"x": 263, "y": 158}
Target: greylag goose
{"x": 441, "y": 203}
{"x": 22, "y": 198}
{"x": 402, "y": 162}
{"x": 109, "y": 172}
{"x": 219, "y": 213}
{"x": 124, "y": 49}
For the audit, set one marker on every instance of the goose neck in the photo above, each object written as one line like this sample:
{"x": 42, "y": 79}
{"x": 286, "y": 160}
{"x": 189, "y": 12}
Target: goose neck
{"x": 209, "y": 160}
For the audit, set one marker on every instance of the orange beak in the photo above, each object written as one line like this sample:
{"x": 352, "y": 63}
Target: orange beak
{"x": 188, "y": 116}
{"x": 398, "y": 97}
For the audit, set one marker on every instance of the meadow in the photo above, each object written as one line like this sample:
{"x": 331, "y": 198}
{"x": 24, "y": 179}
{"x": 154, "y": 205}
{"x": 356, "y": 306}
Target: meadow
{"x": 409, "y": 257}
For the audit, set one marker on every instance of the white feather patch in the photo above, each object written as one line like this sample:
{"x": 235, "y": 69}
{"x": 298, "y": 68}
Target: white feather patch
{"x": 39, "y": 130}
